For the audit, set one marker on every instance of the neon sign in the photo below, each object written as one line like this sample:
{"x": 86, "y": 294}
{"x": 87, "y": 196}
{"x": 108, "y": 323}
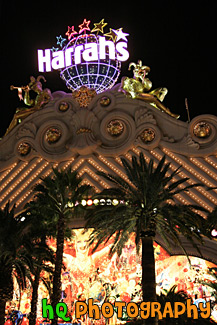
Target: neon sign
{"x": 81, "y": 53}
{"x": 88, "y": 59}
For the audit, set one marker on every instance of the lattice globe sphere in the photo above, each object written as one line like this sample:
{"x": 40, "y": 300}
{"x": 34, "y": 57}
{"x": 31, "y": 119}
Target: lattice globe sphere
{"x": 98, "y": 74}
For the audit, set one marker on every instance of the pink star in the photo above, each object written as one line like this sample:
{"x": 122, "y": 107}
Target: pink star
{"x": 71, "y": 31}
{"x": 84, "y": 26}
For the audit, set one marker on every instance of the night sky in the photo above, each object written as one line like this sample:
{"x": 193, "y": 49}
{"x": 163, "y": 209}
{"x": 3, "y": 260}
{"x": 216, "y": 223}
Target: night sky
{"x": 176, "y": 39}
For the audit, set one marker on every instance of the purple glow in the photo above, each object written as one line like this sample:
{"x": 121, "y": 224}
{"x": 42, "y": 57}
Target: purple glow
{"x": 88, "y": 59}
{"x": 88, "y": 52}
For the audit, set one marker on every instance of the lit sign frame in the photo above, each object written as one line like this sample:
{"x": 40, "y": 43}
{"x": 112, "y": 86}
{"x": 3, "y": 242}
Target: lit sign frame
{"x": 87, "y": 59}
{"x": 48, "y": 60}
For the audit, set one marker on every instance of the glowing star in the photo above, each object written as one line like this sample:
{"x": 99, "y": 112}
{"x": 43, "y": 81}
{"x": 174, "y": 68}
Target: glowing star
{"x": 54, "y": 49}
{"x": 120, "y": 34}
{"x": 111, "y": 35}
{"x": 84, "y": 26}
{"x": 71, "y": 31}
{"x": 99, "y": 27}
{"x": 60, "y": 40}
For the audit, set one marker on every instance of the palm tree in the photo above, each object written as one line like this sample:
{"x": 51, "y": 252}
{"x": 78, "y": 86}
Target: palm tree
{"x": 42, "y": 255}
{"x": 52, "y": 199}
{"x": 148, "y": 209}
{"x": 38, "y": 228}
{"x": 15, "y": 255}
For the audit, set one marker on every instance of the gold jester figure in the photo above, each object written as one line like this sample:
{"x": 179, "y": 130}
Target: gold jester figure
{"x": 42, "y": 98}
{"x": 139, "y": 87}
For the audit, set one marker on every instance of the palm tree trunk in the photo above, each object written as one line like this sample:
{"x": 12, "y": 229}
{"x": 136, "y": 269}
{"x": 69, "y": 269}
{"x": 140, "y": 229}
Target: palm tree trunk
{"x": 33, "y": 313}
{"x": 148, "y": 275}
{"x": 58, "y": 266}
{"x": 2, "y": 311}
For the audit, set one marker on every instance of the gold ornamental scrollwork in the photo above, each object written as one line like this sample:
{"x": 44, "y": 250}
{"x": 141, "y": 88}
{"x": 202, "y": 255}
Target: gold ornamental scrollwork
{"x": 84, "y": 96}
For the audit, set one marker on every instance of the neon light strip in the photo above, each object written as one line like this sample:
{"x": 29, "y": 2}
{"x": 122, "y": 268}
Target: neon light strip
{"x": 107, "y": 79}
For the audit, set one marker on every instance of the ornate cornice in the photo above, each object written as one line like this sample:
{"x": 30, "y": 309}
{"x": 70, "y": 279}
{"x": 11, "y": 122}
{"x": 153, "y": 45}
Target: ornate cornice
{"x": 62, "y": 129}
{"x": 94, "y": 137}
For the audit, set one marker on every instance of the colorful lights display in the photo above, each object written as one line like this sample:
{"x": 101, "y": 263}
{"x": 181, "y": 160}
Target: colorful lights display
{"x": 93, "y": 275}
{"x": 88, "y": 59}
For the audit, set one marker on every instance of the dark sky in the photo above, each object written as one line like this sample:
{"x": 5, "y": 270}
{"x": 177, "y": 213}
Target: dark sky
{"x": 177, "y": 39}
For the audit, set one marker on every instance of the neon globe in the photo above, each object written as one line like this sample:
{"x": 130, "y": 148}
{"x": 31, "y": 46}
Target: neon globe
{"x": 100, "y": 74}
{"x": 87, "y": 60}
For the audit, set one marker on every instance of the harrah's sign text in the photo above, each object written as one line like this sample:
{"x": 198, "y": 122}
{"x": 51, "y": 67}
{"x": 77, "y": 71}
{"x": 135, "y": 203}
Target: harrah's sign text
{"x": 48, "y": 60}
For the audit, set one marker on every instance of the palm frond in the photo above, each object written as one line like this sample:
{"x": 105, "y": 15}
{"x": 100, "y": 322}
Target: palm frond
{"x": 147, "y": 206}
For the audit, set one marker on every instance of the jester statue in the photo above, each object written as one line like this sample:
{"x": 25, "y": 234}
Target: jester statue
{"x": 42, "y": 98}
{"x": 139, "y": 87}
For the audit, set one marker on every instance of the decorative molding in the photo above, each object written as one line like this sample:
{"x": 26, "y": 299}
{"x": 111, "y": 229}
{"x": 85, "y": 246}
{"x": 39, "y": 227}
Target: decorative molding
{"x": 27, "y": 130}
{"x": 84, "y": 130}
{"x": 95, "y": 137}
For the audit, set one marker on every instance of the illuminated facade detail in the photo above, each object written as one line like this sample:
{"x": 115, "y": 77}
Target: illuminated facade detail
{"x": 87, "y": 60}
{"x": 202, "y": 130}
{"x": 63, "y": 106}
{"x": 84, "y": 26}
{"x": 105, "y": 101}
{"x": 60, "y": 41}
{"x": 24, "y": 148}
{"x": 70, "y": 32}
{"x": 84, "y": 96}
{"x": 53, "y": 135}
{"x": 95, "y": 67}
{"x": 99, "y": 27}
{"x": 83, "y": 130}
{"x": 91, "y": 132}
{"x": 147, "y": 135}
{"x": 115, "y": 128}
{"x": 84, "y": 133}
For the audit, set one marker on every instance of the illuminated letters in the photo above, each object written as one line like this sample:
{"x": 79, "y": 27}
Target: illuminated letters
{"x": 48, "y": 60}
{"x": 78, "y": 50}
{"x": 122, "y": 53}
{"x": 103, "y": 44}
{"x": 58, "y": 61}
{"x": 68, "y": 56}
{"x": 90, "y": 52}
{"x": 44, "y": 59}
